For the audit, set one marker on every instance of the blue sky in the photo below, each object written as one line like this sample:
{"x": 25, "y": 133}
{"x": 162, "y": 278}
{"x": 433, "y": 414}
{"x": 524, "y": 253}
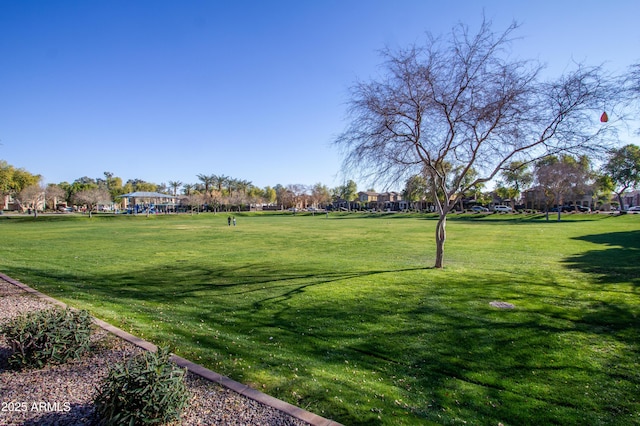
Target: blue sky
{"x": 165, "y": 90}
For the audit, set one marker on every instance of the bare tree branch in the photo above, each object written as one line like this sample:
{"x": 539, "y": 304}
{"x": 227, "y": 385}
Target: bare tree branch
{"x": 460, "y": 112}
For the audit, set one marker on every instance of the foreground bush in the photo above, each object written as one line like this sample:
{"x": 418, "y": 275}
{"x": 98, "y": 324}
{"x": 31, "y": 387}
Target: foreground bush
{"x": 147, "y": 389}
{"x": 47, "y": 336}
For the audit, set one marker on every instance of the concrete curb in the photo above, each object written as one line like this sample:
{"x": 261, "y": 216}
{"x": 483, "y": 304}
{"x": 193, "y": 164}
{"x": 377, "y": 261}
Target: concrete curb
{"x": 285, "y": 407}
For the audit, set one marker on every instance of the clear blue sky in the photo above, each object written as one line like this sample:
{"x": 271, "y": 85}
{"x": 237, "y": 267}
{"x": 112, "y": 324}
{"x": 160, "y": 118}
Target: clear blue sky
{"x": 165, "y": 90}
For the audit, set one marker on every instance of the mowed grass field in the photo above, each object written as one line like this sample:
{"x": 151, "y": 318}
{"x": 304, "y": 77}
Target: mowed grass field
{"x": 345, "y": 317}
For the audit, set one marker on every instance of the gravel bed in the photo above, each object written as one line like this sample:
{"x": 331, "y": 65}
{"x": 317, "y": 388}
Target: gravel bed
{"x": 62, "y": 394}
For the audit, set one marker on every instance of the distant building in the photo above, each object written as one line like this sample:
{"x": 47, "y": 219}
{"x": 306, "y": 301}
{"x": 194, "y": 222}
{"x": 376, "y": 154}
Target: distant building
{"x": 369, "y": 200}
{"x": 631, "y": 198}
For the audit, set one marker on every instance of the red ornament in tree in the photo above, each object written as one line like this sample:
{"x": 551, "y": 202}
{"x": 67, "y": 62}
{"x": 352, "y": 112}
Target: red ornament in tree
{"x": 604, "y": 117}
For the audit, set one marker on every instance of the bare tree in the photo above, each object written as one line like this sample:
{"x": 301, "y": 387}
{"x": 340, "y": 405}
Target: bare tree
{"x": 298, "y": 193}
{"x": 53, "y": 194}
{"x": 631, "y": 82}
{"x": 32, "y": 197}
{"x": 320, "y": 195}
{"x": 561, "y": 179}
{"x": 449, "y": 109}
{"x": 194, "y": 201}
{"x": 92, "y": 198}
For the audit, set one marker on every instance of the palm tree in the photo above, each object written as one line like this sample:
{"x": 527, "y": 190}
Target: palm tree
{"x": 220, "y": 181}
{"x": 187, "y": 188}
{"x": 232, "y": 184}
{"x": 207, "y": 181}
{"x": 243, "y": 185}
{"x": 175, "y": 185}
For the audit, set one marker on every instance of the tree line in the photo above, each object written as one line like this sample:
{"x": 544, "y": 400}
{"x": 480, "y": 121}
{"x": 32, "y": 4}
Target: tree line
{"x": 555, "y": 180}
{"x": 559, "y": 179}
{"x": 211, "y": 192}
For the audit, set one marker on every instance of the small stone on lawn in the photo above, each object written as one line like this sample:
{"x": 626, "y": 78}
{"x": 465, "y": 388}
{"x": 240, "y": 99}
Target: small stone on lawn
{"x": 502, "y": 305}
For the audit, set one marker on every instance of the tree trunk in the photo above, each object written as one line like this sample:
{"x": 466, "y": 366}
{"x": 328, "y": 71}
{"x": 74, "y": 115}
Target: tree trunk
{"x": 621, "y": 202}
{"x": 441, "y": 236}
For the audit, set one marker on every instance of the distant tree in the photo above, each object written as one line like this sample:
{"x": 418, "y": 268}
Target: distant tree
{"x": 134, "y": 185}
{"x": 207, "y": 181}
{"x": 603, "y": 188}
{"x": 113, "y": 184}
{"x": 13, "y": 180}
{"x": 623, "y": 168}
{"x": 198, "y": 187}
{"x": 270, "y": 195}
{"x": 243, "y": 185}
{"x": 145, "y": 186}
{"x": 53, "y": 195}
{"x": 347, "y": 192}
{"x": 162, "y": 188}
{"x": 220, "y": 181}
{"x": 92, "y": 198}
{"x": 174, "y": 185}
{"x": 86, "y": 181}
{"x": 194, "y": 201}
{"x": 297, "y": 192}
{"x": 230, "y": 184}
{"x": 81, "y": 184}
{"x": 255, "y": 195}
{"x": 187, "y": 188}
{"x": 482, "y": 197}
{"x": 282, "y": 196}
{"x": 506, "y": 193}
{"x": 465, "y": 102}
{"x": 6, "y": 179}
{"x": 320, "y": 195}
{"x": 514, "y": 178}
{"x": 415, "y": 188}
{"x": 31, "y": 197}
{"x": 562, "y": 178}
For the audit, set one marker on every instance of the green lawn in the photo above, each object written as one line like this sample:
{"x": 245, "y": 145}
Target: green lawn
{"x": 343, "y": 315}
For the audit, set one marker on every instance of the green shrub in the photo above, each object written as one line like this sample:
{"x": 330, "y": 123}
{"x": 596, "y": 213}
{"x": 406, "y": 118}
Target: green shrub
{"x": 146, "y": 389}
{"x": 47, "y": 336}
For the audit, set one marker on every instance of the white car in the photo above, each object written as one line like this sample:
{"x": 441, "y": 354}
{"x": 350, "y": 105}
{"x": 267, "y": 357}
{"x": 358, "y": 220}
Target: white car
{"x": 502, "y": 209}
{"x": 634, "y": 210}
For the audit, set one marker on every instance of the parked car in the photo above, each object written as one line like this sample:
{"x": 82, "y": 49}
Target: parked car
{"x": 634, "y": 210}
{"x": 479, "y": 209}
{"x": 581, "y": 209}
{"x": 502, "y": 209}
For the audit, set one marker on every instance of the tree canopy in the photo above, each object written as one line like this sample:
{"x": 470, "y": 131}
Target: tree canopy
{"x": 623, "y": 169}
{"x": 461, "y": 109}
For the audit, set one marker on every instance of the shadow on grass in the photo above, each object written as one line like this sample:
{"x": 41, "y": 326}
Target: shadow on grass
{"x": 617, "y": 262}
{"x": 386, "y": 346}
